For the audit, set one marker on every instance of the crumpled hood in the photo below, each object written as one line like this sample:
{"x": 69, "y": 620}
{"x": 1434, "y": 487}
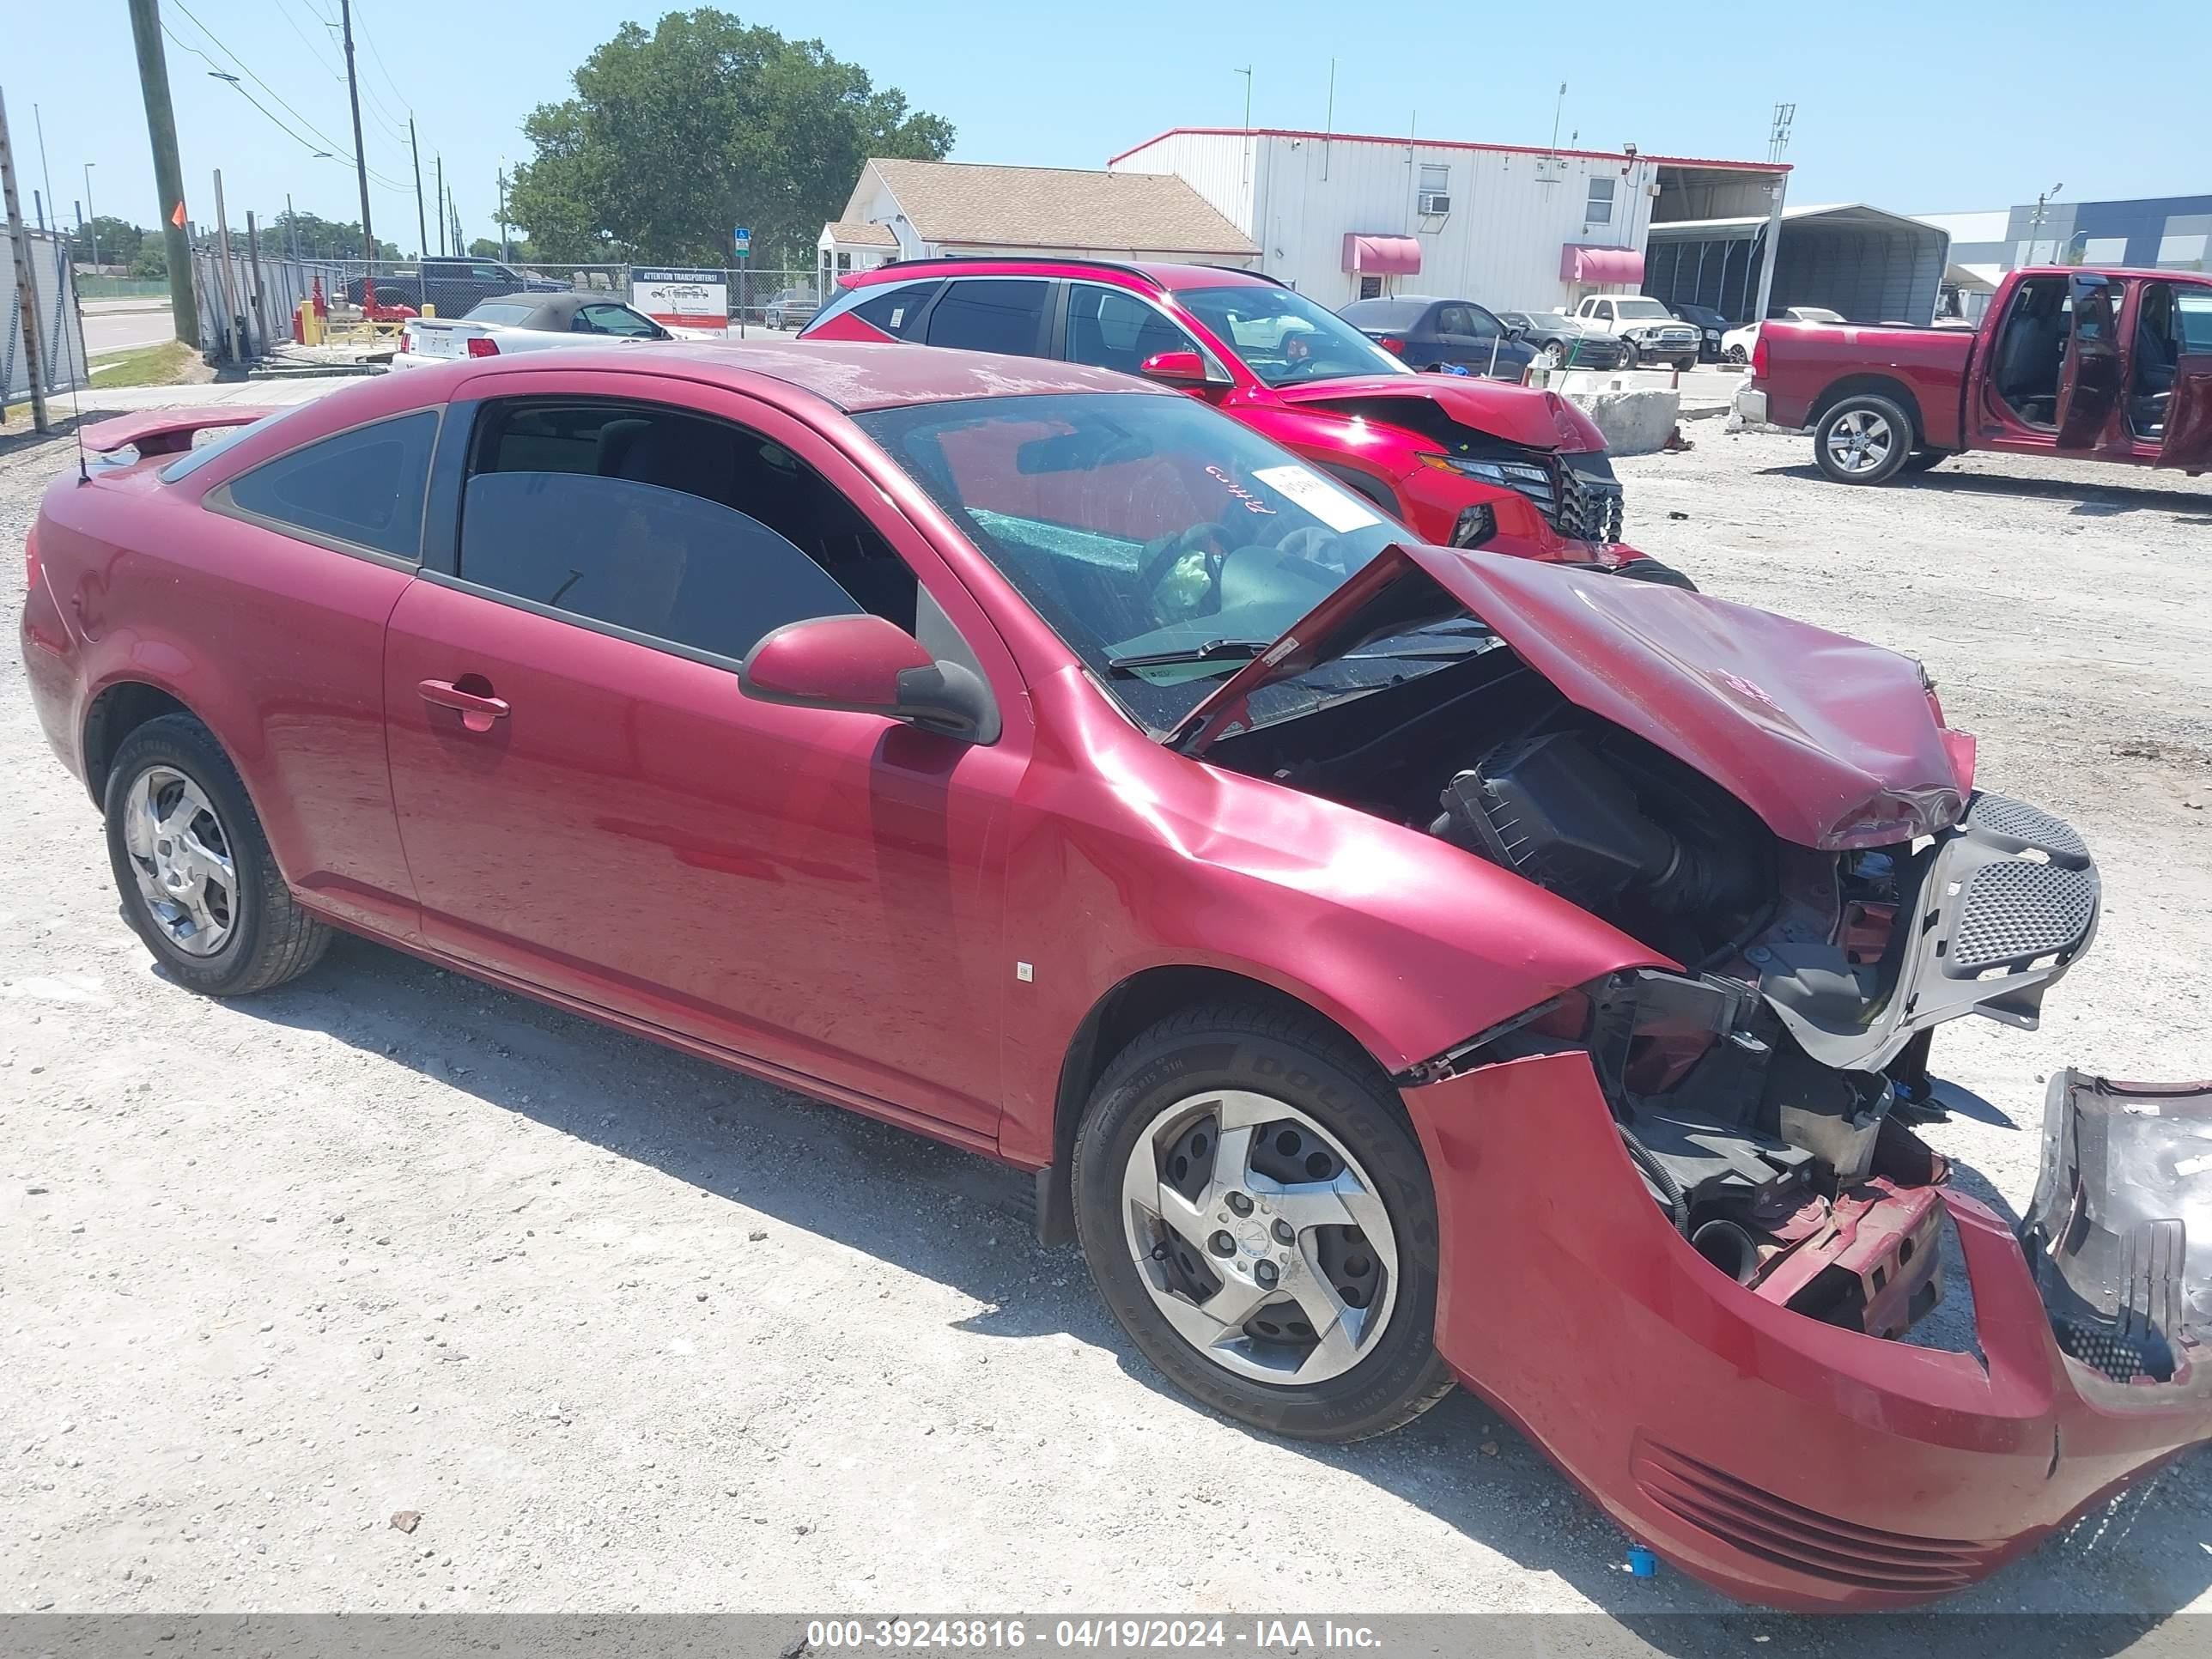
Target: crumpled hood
{"x": 1834, "y": 743}
{"x": 1518, "y": 414}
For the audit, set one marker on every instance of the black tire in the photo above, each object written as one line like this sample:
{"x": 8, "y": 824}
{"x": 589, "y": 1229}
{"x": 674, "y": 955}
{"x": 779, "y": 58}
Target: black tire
{"x": 1920, "y": 460}
{"x": 1686, "y": 364}
{"x": 1296, "y": 1059}
{"x": 1735, "y": 353}
{"x": 270, "y": 939}
{"x": 1877, "y": 412}
{"x": 1648, "y": 570}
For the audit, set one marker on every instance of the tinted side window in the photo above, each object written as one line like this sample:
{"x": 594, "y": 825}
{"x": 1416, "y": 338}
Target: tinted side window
{"x": 667, "y": 525}
{"x": 616, "y": 319}
{"x": 1455, "y": 319}
{"x": 992, "y": 314}
{"x": 897, "y": 310}
{"x": 1117, "y": 330}
{"x": 364, "y": 486}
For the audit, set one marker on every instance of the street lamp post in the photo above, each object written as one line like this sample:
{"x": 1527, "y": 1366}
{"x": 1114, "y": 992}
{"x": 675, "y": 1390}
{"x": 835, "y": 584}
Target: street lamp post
{"x": 92, "y": 216}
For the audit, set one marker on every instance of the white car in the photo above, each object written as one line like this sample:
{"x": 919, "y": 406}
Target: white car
{"x": 1736, "y": 343}
{"x": 1647, "y": 327}
{"x": 532, "y": 322}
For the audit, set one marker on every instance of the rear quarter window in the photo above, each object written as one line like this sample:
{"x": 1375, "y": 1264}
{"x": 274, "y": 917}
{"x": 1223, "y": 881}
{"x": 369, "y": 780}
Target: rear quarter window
{"x": 363, "y": 488}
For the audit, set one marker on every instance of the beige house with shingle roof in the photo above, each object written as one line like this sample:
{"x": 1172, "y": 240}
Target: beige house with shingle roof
{"x": 926, "y": 210}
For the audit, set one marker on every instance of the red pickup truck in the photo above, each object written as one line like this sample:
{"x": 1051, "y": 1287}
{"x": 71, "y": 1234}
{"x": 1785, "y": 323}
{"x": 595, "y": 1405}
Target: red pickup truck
{"x": 2091, "y": 364}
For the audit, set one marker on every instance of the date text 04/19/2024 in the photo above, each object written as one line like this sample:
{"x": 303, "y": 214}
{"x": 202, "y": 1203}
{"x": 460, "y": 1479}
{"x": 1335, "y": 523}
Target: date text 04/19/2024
{"x": 1114, "y": 1634}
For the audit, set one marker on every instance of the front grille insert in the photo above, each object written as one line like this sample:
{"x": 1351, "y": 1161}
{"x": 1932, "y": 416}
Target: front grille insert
{"x": 2017, "y": 910}
{"x": 1774, "y": 1529}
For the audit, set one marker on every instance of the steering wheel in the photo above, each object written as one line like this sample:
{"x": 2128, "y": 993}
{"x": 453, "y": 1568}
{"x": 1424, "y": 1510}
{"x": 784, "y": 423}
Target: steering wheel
{"x": 1161, "y": 556}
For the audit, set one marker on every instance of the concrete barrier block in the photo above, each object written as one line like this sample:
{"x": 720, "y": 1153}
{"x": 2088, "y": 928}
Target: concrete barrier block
{"x": 1634, "y": 422}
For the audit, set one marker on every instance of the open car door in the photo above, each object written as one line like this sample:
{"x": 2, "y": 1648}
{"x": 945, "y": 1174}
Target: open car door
{"x": 2089, "y": 379}
{"x": 2188, "y": 441}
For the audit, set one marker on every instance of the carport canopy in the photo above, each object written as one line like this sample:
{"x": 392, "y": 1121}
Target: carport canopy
{"x": 1868, "y": 263}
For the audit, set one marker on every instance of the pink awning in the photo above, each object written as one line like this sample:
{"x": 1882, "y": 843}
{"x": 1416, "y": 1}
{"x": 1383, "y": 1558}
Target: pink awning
{"x": 1382, "y": 256}
{"x": 1600, "y": 265}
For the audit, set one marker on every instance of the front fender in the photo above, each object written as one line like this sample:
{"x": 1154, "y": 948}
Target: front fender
{"x": 1126, "y": 856}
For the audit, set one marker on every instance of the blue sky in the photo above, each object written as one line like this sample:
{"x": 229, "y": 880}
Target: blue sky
{"x": 1915, "y": 107}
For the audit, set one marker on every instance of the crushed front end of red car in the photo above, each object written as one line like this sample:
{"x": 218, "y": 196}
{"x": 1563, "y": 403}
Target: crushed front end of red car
{"x": 1685, "y": 1219}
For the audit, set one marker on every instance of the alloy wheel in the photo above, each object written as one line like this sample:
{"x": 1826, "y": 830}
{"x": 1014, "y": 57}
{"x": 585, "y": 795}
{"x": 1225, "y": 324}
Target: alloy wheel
{"x": 1858, "y": 440}
{"x": 180, "y": 854}
{"x": 1260, "y": 1238}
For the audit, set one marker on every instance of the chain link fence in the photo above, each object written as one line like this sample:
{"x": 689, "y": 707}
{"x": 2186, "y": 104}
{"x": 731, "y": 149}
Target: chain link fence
{"x": 53, "y": 303}
{"x": 246, "y": 303}
{"x": 702, "y": 296}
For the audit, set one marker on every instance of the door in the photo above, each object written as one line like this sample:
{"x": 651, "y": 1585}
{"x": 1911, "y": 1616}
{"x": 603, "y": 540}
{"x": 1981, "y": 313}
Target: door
{"x": 1113, "y": 328}
{"x": 2089, "y": 377}
{"x": 1470, "y": 337}
{"x": 2184, "y": 423}
{"x": 589, "y": 805}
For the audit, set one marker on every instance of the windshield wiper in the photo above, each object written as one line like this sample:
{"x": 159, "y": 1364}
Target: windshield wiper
{"x": 1212, "y": 651}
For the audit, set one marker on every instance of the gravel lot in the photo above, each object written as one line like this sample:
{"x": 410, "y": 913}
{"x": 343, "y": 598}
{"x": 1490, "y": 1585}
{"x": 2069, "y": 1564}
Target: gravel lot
{"x": 628, "y": 1331}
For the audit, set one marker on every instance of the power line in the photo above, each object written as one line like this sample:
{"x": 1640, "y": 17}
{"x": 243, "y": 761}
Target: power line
{"x": 334, "y": 146}
{"x": 286, "y": 12}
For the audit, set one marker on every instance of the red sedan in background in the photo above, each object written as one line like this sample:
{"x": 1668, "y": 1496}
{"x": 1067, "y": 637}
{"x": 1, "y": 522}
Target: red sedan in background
{"x": 1399, "y": 964}
{"x": 1455, "y": 457}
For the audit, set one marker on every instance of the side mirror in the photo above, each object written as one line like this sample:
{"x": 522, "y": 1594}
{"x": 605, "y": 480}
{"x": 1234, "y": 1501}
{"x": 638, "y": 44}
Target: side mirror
{"x": 868, "y": 666}
{"x": 1175, "y": 368}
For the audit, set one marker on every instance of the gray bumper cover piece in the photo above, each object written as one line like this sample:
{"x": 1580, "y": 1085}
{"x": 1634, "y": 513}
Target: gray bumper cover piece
{"x": 2003, "y": 903}
{"x": 2119, "y": 1234}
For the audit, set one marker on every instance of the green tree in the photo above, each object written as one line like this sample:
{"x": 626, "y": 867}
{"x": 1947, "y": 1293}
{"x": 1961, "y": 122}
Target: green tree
{"x": 119, "y": 241}
{"x": 318, "y": 239}
{"x": 152, "y": 263}
{"x": 674, "y": 136}
{"x": 519, "y": 249}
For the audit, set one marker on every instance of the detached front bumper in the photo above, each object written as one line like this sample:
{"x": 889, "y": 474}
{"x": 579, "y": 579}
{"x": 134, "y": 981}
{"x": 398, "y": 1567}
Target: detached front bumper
{"x": 1781, "y": 1460}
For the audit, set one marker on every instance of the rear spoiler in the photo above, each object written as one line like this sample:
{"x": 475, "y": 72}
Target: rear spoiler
{"x": 166, "y": 431}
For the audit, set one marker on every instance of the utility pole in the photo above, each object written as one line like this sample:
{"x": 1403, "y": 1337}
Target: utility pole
{"x": 2035, "y": 230}
{"x": 360, "y": 153}
{"x": 19, "y": 240}
{"x": 92, "y": 216}
{"x": 45, "y": 176}
{"x": 168, "y": 171}
{"x": 506, "y": 253}
{"x": 442, "y": 210}
{"x": 1777, "y": 139}
{"x": 422, "y": 225}
{"x": 292, "y": 227}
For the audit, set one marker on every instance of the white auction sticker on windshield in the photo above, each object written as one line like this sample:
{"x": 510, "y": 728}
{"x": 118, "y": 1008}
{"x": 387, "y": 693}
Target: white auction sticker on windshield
{"x": 1332, "y": 506}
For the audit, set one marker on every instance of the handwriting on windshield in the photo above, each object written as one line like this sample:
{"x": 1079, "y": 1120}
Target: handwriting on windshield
{"x": 1252, "y": 503}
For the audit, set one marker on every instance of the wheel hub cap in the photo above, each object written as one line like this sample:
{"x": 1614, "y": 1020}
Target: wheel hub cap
{"x": 1859, "y": 441}
{"x": 180, "y": 855}
{"x": 1260, "y": 1238}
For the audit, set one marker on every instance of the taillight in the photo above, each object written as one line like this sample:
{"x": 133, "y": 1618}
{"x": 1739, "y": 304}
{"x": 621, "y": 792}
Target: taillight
{"x": 482, "y": 345}
{"x": 1393, "y": 344}
{"x": 1758, "y": 356}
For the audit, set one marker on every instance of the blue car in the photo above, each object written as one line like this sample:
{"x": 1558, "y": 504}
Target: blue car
{"x": 1453, "y": 336}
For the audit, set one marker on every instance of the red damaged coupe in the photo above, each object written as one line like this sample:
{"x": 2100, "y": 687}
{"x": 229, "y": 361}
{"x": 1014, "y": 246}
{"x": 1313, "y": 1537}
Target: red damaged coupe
{"x": 1400, "y": 965}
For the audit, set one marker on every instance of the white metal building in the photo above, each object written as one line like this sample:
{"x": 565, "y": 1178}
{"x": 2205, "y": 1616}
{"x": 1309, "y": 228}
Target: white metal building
{"x": 1344, "y": 215}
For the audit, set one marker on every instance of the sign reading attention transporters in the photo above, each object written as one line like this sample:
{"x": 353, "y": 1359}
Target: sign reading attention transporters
{"x": 682, "y": 298}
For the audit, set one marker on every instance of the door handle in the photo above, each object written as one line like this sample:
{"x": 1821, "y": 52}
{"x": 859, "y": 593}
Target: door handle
{"x": 476, "y": 712}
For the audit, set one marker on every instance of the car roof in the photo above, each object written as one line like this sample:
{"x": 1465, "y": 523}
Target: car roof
{"x": 1125, "y": 274}
{"x": 559, "y": 308}
{"x": 847, "y": 374}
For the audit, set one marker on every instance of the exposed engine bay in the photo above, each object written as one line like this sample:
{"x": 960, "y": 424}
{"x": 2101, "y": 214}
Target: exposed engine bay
{"x": 1766, "y": 1089}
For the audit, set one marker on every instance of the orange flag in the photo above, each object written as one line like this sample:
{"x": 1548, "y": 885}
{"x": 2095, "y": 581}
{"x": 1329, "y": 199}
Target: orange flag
{"x": 177, "y": 217}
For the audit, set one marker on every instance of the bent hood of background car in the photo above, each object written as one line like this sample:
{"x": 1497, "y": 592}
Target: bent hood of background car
{"x": 1503, "y": 410}
{"x": 1834, "y": 743}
